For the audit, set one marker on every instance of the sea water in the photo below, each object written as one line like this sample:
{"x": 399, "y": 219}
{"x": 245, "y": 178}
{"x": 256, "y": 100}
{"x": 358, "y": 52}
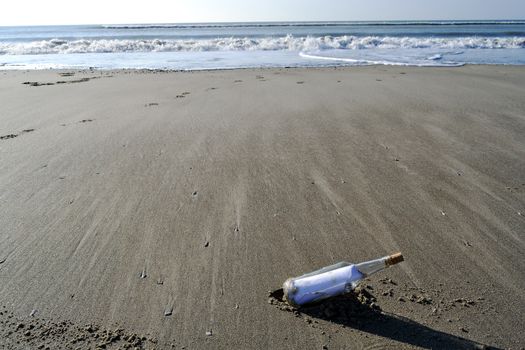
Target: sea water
{"x": 244, "y": 45}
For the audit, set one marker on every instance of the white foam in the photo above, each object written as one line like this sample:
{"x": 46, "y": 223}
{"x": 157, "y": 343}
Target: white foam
{"x": 290, "y": 43}
{"x": 435, "y": 57}
{"x": 391, "y": 62}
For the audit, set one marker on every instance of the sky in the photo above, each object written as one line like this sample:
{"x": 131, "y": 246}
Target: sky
{"x": 54, "y": 12}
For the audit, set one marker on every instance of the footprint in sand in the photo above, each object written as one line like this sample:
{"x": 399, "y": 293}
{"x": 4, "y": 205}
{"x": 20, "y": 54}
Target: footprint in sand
{"x": 82, "y": 80}
{"x": 238, "y": 81}
{"x": 9, "y": 136}
{"x": 12, "y": 136}
{"x": 151, "y": 104}
{"x": 36, "y": 83}
{"x": 184, "y": 94}
{"x": 300, "y": 82}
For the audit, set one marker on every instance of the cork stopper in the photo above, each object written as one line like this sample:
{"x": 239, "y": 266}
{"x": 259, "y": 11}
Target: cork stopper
{"x": 394, "y": 259}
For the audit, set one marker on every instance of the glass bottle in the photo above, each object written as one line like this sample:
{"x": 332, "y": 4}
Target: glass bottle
{"x": 333, "y": 280}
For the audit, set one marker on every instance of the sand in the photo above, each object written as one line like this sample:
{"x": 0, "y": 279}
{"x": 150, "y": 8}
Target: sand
{"x": 157, "y": 209}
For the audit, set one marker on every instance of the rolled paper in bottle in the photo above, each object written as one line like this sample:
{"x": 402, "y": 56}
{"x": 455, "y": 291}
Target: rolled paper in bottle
{"x": 310, "y": 288}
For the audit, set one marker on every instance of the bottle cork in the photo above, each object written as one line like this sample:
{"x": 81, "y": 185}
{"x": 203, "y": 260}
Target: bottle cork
{"x": 394, "y": 259}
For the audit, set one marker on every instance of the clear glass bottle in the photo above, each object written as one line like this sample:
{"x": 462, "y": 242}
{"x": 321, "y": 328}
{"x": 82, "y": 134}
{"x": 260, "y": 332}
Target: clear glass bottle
{"x": 333, "y": 280}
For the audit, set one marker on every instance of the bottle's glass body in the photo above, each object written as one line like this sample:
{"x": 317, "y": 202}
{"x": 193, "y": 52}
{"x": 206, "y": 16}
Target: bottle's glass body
{"x": 332, "y": 280}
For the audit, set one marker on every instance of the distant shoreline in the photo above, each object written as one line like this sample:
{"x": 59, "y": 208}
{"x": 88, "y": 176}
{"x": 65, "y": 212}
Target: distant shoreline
{"x": 319, "y": 68}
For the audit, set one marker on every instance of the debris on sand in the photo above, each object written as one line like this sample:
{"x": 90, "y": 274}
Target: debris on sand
{"x": 168, "y": 311}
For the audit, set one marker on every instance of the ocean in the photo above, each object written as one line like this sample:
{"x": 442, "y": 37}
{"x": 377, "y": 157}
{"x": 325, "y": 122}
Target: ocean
{"x": 246, "y": 45}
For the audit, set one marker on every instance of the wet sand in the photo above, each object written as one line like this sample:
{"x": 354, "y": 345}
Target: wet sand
{"x": 157, "y": 209}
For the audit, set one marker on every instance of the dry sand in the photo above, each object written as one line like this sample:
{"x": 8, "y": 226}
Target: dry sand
{"x": 161, "y": 207}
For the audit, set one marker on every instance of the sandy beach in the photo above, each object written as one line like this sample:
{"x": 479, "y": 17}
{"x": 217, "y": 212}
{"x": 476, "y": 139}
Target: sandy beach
{"x": 156, "y": 209}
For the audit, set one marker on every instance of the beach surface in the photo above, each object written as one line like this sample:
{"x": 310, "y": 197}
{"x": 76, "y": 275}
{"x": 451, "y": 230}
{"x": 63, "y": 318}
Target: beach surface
{"x": 156, "y": 209}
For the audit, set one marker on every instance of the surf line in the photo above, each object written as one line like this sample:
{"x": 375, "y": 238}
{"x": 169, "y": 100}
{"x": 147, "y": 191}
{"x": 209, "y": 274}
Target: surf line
{"x": 371, "y": 63}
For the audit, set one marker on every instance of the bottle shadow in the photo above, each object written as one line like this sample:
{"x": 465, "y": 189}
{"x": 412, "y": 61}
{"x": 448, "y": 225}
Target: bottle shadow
{"x": 356, "y": 310}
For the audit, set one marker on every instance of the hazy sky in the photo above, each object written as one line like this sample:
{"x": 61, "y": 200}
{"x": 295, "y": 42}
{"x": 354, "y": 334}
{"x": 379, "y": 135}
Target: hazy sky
{"x": 24, "y": 12}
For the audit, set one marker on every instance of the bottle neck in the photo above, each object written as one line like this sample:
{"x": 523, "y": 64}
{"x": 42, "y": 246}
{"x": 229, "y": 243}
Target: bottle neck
{"x": 373, "y": 266}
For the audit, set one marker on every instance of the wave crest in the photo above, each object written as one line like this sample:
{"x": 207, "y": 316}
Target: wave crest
{"x": 59, "y": 46}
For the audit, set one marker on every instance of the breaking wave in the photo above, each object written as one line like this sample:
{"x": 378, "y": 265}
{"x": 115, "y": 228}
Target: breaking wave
{"x": 291, "y": 43}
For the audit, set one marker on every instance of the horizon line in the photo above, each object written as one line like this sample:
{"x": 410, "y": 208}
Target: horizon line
{"x": 272, "y": 21}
